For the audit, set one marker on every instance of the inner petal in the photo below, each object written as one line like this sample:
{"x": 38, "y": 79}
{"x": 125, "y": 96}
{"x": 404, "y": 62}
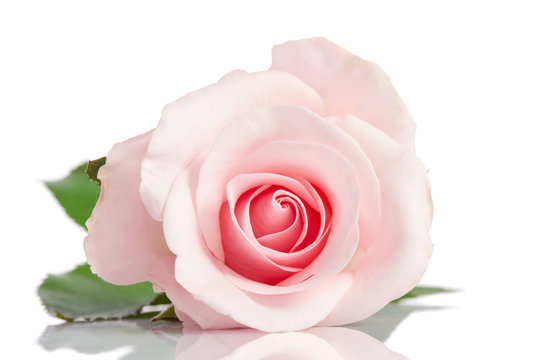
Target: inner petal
{"x": 297, "y": 245}
{"x": 285, "y": 240}
{"x": 330, "y": 173}
{"x": 299, "y": 168}
{"x": 252, "y": 213}
{"x": 273, "y": 211}
{"x": 242, "y": 254}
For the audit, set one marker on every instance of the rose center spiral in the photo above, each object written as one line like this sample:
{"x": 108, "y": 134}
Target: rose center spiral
{"x": 270, "y": 232}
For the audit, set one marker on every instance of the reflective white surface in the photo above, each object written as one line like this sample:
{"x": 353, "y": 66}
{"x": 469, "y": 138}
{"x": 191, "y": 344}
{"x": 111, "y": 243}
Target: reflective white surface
{"x": 76, "y": 77}
{"x": 411, "y": 330}
{"x": 142, "y": 339}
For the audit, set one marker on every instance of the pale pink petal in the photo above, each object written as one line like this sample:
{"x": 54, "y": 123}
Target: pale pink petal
{"x": 301, "y": 258}
{"x": 200, "y": 273}
{"x": 189, "y": 124}
{"x": 239, "y": 207}
{"x": 265, "y": 125}
{"x": 123, "y": 240}
{"x": 185, "y": 219}
{"x": 347, "y": 83}
{"x": 189, "y": 177}
{"x": 328, "y": 170}
{"x": 247, "y": 181}
{"x": 394, "y": 262}
{"x": 323, "y": 210}
{"x": 162, "y": 274}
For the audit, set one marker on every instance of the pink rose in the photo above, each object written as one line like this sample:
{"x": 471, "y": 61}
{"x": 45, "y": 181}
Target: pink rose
{"x": 276, "y": 200}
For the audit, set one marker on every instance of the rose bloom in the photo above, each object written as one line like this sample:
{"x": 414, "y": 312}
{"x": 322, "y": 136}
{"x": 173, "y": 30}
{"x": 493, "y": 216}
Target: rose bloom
{"x": 276, "y": 200}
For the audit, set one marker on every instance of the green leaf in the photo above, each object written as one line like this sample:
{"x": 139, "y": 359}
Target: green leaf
{"x": 92, "y": 168}
{"x": 161, "y": 299}
{"x": 82, "y": 294}
{"x": 76, "y": 193}
{"x": 423, "y": 290}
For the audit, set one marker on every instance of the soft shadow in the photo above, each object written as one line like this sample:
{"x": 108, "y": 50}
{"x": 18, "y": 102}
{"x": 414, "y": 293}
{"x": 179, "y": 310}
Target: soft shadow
{"x": 167, "y": 340}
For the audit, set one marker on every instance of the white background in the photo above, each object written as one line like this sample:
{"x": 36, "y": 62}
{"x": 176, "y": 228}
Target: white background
{"x": 78, "y": 76}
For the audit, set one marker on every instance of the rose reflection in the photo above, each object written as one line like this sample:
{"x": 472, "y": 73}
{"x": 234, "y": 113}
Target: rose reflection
{"x": 329, "y": 343}
{"x": 170, "y": 342}
{"x": 145, "y": 340}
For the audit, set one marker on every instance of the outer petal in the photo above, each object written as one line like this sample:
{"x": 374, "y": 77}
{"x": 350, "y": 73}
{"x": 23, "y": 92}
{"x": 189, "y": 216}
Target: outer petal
{"x": 201, "y": 274}
{"x": 394, "y": 263}
{"x": 190, "y": 124}
{"x": 347, "y": 83}
{"x": 162, "y": 274}
{"x": 123, "y": 240}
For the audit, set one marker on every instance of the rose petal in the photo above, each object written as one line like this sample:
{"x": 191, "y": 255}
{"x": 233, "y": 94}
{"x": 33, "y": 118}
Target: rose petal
{"x": 282, "y": 240}
{"x": 189, "y": 124}
{"x": 395, "y": 261}
{"x": 315, "y": 206}
{"x": 308, "y": 161}
{"x": 123, "y": 240}
{"x": 162, "y": 274}
{"x": 202, "y": 275}
{"x": 331, "y": 172}
{"x": 243, "y": 182}
{"x": 300, "y": 258}
{"x": 270, "y": 212}
{"x": 284, "y": 225}
{"x": 347, "y": 83}
{"x": 265, "y": 125}
{"x": 244, "y": 257}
